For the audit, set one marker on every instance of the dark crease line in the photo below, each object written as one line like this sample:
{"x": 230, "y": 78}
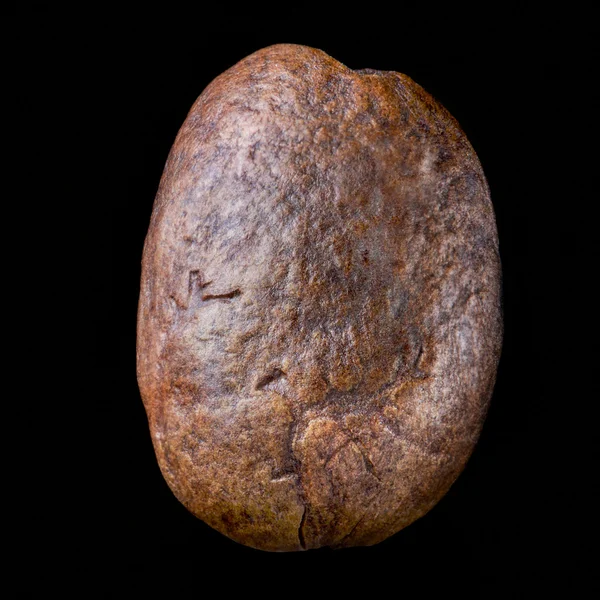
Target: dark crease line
{"x": 227, "y": 296}
{"x": 178, "y": 303}
{"x": 301, "y": 537}
{"x": 264, "y": 381}
{"x": 352, "y": 530}
{"x": 368, "y": 463}
{"x": 419, "y": 355}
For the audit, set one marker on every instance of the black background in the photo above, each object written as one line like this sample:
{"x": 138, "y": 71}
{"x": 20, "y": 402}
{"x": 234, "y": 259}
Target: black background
{"x": 515, "y": 522}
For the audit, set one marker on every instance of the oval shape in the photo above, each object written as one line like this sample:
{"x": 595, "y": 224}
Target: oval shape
{"x": 319, "y": 322}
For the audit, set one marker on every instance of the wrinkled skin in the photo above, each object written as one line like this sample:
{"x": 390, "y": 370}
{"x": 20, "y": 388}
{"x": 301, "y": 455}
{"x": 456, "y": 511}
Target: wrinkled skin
{"x": 319, "y": 322}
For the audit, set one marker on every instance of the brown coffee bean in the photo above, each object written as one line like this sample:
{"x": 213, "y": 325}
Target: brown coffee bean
{"x": 319, "y": 321}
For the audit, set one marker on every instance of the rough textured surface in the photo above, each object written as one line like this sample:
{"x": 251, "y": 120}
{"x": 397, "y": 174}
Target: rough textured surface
{"x": 319, "y": 322}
